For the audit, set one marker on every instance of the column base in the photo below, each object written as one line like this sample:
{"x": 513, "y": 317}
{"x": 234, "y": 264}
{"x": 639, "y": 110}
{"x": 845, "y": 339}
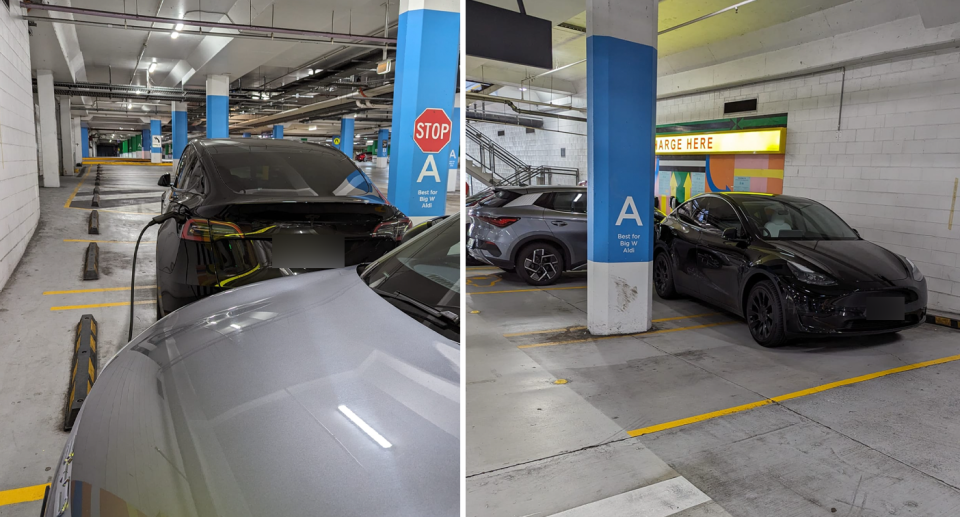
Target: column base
{"x": 453, "y": 180}
{"x": 155, "y": 158}
{"x": 619, "y": 297}
{"x": 382, "y": 161}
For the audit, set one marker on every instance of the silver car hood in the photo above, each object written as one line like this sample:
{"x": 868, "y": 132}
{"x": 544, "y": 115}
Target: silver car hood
{"x": 230, "y": 407}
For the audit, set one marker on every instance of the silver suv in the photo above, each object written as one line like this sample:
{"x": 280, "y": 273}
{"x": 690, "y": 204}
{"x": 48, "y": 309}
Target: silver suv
{"x": 539, "y": 232}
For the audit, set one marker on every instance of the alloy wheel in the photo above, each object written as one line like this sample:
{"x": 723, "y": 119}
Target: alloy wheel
{"x": 661, "y": 274}
{"x": 541, "y": 265}
{"x": 760, "y": 315}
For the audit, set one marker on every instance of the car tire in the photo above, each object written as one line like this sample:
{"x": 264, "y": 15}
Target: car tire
{"x": 663, "y": 276}
{"x": 508, "y": 269}
{"x": 765, "y": 315}
{"x": 473, "y": 262}
{"x": 539, "y": 263}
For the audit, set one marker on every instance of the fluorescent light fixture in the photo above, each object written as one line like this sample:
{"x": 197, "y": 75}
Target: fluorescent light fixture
{"x": 365, "y": 427}
{"x": 129, "y": 107}
{"x": 153, "y": 66}
{"x": 369, "y": 142}
{"x": 153, "y": 59}
{"x": 179, "y": 27}
{"x": 174, "y": 35}
{"x": 145, "y": 107}
{"x": 522, "y": 89}
{"x": 312, "y": 128}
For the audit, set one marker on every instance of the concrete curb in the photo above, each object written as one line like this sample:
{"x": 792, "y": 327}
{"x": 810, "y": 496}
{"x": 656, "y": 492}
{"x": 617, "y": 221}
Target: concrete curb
{"x": 93, "y": 224}
{"x": 91, "y": 262}
{"x": 84, "y": 368}
{"x": 944, "y": 321}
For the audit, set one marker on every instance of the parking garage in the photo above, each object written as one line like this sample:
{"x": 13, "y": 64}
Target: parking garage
{"x": 284, "y": 123}
{"x": 589, "y": 393}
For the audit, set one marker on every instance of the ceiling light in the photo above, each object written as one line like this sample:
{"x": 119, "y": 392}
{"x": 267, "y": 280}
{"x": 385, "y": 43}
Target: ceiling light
{"x": 145, "y": 107}
{"x": 153, "y": 66}
{"x": 129, "y": 107}
{"x": 312, "y": 128}
{"x": 179, "y": 27}
{"x": 174, "y": 35}
{"x": 153, "y": 59}
{"x": 522, "y": 89}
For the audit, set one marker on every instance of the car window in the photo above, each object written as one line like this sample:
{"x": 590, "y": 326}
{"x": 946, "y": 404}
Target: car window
{"x": 186, "y": 163}
{"x": 684, "y": 213}
{"x": 797, "y": 219}
{"x": 499, "y": 198}
{"x": 575, "y": 201}
{"x": 717, "y": 215}
{"x": 193, "y": 177}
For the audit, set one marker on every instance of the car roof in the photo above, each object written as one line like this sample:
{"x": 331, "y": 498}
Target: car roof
{"x": 212, "y": 144}
{"x": 746, "y": 196}
{"x": 534, "y": 189}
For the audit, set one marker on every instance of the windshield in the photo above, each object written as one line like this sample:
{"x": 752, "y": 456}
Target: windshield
{"x": 310, "y": 170}
{"x": 776, "y": 219}
{"x": 427, "y": 268}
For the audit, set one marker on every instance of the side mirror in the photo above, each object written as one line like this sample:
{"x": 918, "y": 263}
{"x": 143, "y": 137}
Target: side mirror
{"x": 732, "y": 234}
{"x": 856, "y": 232}
{"x": 164, "y": 180}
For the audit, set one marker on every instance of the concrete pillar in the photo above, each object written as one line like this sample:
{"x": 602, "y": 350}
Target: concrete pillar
{"x": 218, "y": 106}
{"x": 66, "y": 136}
{"x": 75, "y": 125}
{"x": 277, "y": 131}
{"x": 453, "y": 150}
{"x": 156, "y": 152}
{"x": 144, "y": 150}
{"x": 178, "y": 129}
{"x": 428, "y": 46}
{"x": 346, "y": 135}
{"x": 50, "y": 165}
{"x": 84, "y": 142}
{"x": 621, "y": 93}
{"x": 383, "y": 140}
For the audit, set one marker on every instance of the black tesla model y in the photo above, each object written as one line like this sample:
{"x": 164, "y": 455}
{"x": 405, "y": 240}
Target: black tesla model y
{"x": 256, "y": 209}
{"x": 789, "y": 265}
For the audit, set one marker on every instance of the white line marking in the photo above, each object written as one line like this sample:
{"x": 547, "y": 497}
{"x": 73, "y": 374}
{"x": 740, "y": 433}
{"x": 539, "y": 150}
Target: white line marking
{"x": 657, "y": 500}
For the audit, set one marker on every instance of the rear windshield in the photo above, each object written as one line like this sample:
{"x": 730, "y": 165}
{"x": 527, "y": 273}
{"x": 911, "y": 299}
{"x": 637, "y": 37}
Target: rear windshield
{"x": 499, "y": 198}
{"x": 312, "y": 171}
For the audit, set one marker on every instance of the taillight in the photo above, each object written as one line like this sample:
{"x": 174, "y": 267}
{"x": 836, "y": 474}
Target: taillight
{"x": 202, "y": 230}
{"x": 393, "y": 229}
{"x": 500, "y": 222}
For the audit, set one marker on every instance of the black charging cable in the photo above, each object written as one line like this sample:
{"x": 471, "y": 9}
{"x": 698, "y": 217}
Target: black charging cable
{"x": 180, "y": 218}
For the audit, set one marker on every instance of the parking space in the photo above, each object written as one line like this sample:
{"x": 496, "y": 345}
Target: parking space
{"x": 845, "y": 425}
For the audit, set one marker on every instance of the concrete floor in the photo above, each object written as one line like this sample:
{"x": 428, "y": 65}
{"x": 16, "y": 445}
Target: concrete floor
{"x": 38, "y": 328}
{"x": 887, "y": 446}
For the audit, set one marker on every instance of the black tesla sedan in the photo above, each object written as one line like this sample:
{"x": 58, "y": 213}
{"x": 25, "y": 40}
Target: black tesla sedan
{"x": 789, "y": 265}
{"x": 256, "y": 209}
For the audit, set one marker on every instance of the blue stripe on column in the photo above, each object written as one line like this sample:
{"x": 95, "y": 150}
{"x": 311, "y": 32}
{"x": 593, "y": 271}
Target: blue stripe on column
{"x": 453, "y": 148}
{"x": 218, "y": 111}
{"x": 621, "y": 93}
{"x": 346, "y": 136}
{"x": 84, "y": 142}
{"x": 178, "y": 125}
{"x": 246, "y": 135}
{"x": 277, "y": 131}
{"x": 154, "y": 130}
{"x": 145, "y": 140}
{"x": 427, "y": 52}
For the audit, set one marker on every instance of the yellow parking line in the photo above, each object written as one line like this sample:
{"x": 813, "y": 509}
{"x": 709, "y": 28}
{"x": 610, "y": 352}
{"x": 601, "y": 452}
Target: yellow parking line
{"x": 796, "y": 394}
{"x": 530, "y": 290}
{"x": 112, "y": 242}
{"x": 98, "y": 305}
{"x": 22, "y": 495}
{"x": 548, "y": 331}
{"x": 69, "y": 199}
{"x": 640, "y": 334}
{"x": 477, "y": 268}
{"x": 100, "y": 290}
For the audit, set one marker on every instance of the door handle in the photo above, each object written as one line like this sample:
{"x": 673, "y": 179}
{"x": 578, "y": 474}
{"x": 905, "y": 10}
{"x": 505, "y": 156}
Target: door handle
{"x": 558, "y": 223}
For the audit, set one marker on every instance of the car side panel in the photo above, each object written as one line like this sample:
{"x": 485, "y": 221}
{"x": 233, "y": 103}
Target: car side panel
{"x": 571, "y": 229}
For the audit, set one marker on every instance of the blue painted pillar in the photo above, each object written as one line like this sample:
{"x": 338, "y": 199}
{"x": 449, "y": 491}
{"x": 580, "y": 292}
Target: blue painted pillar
{"x": 453, "y": 150}
{"x": 277, "y": 131}
{"x": 428, "y": 43}
{"x": 84, "y": 142}
{"x": 346, "y": 136}
{"x": 156, "y": 152}
{"x": 144, "y": 151}
{"x": 218, "y": 106}
{"x": 178, "y": 130}
{"x": 621, "y": 94}
{"x": 383, "y": 139}
{"x": 246, "y": 135}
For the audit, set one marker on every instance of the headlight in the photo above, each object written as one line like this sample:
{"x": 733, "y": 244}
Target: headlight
{"x": 809, "y": 276}
{"x": 914, "y": 270}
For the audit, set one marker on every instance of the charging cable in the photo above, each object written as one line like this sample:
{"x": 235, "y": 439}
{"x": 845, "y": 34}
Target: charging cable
{"x": 180, "y": 218}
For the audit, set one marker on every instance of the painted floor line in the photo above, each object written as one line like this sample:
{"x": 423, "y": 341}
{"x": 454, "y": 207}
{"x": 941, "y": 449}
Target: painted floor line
{"x": 99, "y": 290}
{"x": 661, "y": 499}
{"x": 789, "y": 396}
{"x": 640, "y": 334}
{"x": 99, "y": 305}
{"x": 77, "y": 189}
{"x": 22, "y": 495}
{"x": 548, "y": 331}
{"x": 528, "y": 290}
{"x": 110, "y": 242}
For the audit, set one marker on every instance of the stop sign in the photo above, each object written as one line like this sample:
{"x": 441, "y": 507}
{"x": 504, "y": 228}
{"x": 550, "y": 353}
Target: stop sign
{"x": 431, "y": 130}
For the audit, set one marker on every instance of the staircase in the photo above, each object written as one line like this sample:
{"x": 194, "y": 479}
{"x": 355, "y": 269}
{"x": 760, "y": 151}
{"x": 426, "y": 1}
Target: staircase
{"x": 498, "y": 166}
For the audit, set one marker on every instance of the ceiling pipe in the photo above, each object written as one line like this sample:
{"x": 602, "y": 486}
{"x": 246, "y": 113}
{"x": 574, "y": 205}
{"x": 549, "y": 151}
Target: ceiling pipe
{"x": 143, "y": 48}
{"x": 493, "y": 98}
{"x": 514, "y": 107}
{"x": 199, "y": 23}
{"x": 734, "y": 7}
{"x": 305, "y": 111}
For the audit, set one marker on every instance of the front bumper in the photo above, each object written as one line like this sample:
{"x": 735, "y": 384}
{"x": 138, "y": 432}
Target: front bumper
{"x": 826, "y": 311}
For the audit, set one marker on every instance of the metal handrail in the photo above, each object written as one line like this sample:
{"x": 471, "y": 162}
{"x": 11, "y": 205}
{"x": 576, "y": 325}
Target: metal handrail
{"x": 523, "y": 174}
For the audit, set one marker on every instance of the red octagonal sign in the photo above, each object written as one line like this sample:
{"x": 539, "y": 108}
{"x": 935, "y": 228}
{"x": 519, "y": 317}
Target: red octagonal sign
{"x": 431, "y": 130}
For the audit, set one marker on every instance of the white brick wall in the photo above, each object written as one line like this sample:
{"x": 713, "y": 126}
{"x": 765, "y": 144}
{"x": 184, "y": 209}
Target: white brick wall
{"x": 889, "y": 170}
{"x": 19, "y": 191}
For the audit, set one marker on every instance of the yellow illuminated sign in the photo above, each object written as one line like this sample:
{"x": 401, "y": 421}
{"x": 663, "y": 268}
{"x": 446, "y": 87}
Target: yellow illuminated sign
{"x": 755, "y": 141}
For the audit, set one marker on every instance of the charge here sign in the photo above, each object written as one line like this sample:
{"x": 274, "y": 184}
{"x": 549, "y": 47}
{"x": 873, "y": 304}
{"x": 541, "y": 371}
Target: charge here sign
{"x": 431, "y": 130}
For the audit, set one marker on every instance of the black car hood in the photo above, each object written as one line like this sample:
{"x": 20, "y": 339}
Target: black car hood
{"x": 848, "y": 261}
{"x": 230, "y": 406}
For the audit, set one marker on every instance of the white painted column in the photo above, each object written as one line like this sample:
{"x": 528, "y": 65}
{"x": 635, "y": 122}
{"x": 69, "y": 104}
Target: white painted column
{"x": 66, "y": 136}
{"x": 48, "y": 129}
{"x": 77, "y": 141}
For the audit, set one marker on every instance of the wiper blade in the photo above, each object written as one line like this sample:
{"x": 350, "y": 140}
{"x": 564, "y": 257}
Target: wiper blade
{"x": 448, "y": 316}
